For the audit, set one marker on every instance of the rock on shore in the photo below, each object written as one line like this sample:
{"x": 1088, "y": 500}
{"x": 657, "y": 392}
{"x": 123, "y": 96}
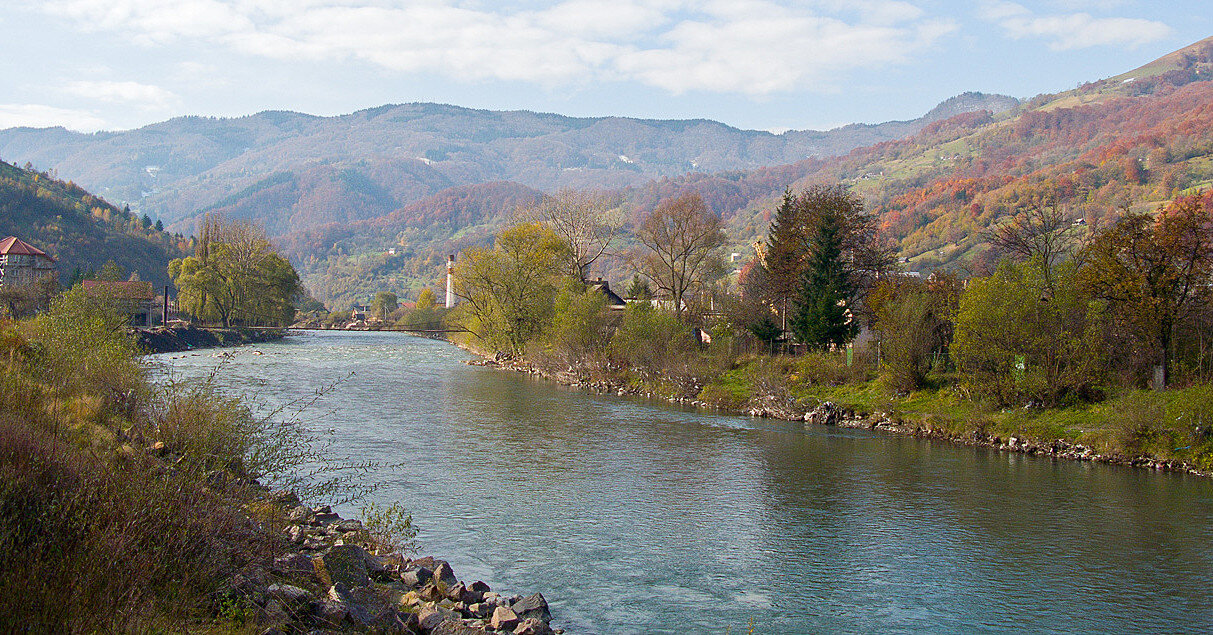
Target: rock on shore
{"x": 325, "y": 583}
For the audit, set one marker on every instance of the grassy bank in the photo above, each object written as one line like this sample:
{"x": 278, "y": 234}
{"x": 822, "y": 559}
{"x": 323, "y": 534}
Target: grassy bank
{"x": 1171, "y": 425}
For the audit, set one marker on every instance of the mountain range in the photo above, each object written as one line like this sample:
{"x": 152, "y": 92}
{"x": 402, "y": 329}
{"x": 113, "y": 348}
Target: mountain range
{"x": 373, "y": 200}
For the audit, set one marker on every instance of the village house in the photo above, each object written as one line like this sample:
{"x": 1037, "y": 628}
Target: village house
{"x": 136, "y": 298}
{"x": 613, "y": 301}
{"x": 22, "y": 263}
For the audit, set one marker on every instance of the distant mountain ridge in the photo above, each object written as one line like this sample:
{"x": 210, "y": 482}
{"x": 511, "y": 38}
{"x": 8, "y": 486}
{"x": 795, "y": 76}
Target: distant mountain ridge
{"x": 291, "y": 171}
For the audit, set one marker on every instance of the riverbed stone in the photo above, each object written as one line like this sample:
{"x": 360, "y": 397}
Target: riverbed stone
{"x": 347, "y": 526}
{"x": 429, "y": 617}
{"x": 532, "y": 626}
{"x": 457, "y": 628}
{"x": 345, "y": 564}
{"x": 532, "y": 606}
{"x": 416, "y": 577}
{"x": 445, "y": 574}
{"x": 503, "y": 619}
{"x": 330, "y": 613}
{"x": 288, "y": 594}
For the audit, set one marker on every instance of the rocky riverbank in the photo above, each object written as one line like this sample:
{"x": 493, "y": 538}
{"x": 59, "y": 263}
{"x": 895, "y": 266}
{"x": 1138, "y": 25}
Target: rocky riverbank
{"x": 327, "y": 582}
{"x": 831, "y": 414}
{"x": 175, "y": 339}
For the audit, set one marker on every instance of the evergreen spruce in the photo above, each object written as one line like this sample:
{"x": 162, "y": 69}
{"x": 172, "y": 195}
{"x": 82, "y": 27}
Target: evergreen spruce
{"x": 821, "y": 317}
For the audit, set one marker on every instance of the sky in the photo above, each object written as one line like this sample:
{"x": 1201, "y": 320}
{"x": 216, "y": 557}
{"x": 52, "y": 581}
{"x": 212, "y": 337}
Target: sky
{"x": 774, "y": 65}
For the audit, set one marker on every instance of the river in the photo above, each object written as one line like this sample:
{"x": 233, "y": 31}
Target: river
{"x": 637, "y": 517}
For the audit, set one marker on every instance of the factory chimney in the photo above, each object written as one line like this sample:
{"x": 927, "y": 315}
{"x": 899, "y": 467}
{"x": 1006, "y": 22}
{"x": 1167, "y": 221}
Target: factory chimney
{"x": 450, "y": 281}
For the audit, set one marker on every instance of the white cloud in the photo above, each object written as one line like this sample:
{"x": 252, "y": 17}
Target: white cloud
{"x": 743, "y": 46}
{"x": 1074, "y": 30}
{"x": 143, "y": 95}
{"x": 39, "y": 116}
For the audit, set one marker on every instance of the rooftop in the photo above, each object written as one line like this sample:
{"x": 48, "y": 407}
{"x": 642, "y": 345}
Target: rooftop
{"x": 16, "y": 247}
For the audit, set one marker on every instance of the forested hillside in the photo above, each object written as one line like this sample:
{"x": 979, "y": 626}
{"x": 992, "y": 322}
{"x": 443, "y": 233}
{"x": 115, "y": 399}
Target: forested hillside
{"x": 81, "y": 230}
{"x": 291, "y": 172}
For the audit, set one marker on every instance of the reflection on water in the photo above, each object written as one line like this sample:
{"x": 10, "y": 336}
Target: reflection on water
{"x": 634, "y": 517}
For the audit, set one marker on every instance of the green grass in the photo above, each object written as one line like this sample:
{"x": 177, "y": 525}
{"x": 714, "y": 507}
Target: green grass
{"x": 1172, "y": 424}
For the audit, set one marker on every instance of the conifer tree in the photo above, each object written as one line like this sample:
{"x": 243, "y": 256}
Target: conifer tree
{"x": 821, "y": 317}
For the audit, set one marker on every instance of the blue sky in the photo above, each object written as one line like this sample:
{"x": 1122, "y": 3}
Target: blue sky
{"x": 762, "y": 64}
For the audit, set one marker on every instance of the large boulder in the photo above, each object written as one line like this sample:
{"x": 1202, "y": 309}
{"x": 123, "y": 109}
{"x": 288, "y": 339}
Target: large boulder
{"x": 344, "y": 564}
{"x": 445, "y": 574}
{"x": 533, "y": 606}
{"x": 415, "y": 577}
{"x": 503, "y": 619}
{"x": 532, "y": 626}
{"x": 457, "y": 628}
{"x": 430, "y": 616}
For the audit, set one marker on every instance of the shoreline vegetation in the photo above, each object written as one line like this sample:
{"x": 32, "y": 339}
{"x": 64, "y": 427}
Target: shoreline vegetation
{"x": 1074, "y": 341}
{"x": 133, "y": 506}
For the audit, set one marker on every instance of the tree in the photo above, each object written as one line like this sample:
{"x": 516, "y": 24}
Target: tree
{"x": 111, "y": 272}
{"x": 1154, "y": 273}
{"x": 507, "y": 291}
{"x": 682, "y": 239}
{"x": 639, "y": 289}
{"x": 384, "y": 303}
{"x": 426, "y": 300}
{"x": 583, "y": 220}
{"x": 1040, "y": 233}
{"x": 790, "y": 244}
{"x": 236, "y": 277}
{"x": 914, "y": 319}
{"x": 822, "y": 316}
{"x": 1015, "y": 344}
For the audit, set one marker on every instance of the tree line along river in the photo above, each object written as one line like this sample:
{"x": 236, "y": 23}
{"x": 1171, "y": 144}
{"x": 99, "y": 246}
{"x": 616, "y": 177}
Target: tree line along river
{"x": 638, "y": 517}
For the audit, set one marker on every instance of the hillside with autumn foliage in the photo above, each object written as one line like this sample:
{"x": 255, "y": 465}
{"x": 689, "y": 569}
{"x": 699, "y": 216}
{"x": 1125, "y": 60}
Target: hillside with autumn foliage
{"x": 81, "y": 230}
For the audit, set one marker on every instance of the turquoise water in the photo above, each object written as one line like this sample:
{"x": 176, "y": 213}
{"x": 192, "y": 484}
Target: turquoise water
{"x": 636, "y": 517}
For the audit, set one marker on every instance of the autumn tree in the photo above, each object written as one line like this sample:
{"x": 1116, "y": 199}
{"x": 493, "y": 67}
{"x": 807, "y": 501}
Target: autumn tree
{"x": 1154, "y": 272}
{"x": 583, "y": 219}
{"x": 507, "y": 291}
{"x": 426, "y": 299}
{"x": 1015, "y": 344}
{"x": 1041, "y": 232}
{"x": 681, "y": 240}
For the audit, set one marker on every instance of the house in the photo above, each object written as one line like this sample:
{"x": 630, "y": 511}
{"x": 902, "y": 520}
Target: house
{"x": 614, "y": 302}
{"x": 359, "y": 312}
{"x": 136, "y": 298}
{"x": 21, "y": 263}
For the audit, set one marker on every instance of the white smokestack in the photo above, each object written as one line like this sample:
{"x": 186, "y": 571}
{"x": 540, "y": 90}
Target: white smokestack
{"x": 450, "y": 281}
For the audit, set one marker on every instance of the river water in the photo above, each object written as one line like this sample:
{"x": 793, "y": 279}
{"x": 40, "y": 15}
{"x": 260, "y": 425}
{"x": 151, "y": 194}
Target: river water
{"x": 637, "y": 517}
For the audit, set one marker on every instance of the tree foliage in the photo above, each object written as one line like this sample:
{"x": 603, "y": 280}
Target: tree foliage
{"x": 583, "y": 219}
{"x": 823, "y": 308}
{"x": 236, "y": 277}
{"x": 1015, "y": 343}
{"x": 1155, "y": 273}
{"x": 507, "y": 291}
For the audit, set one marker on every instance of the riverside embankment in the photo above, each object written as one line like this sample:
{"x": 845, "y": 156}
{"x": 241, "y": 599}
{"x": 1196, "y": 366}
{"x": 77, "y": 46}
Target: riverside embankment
{"x": 175, "y": 339}
{"x": 778, "y": 404}
{"x": 326, "y": 579}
